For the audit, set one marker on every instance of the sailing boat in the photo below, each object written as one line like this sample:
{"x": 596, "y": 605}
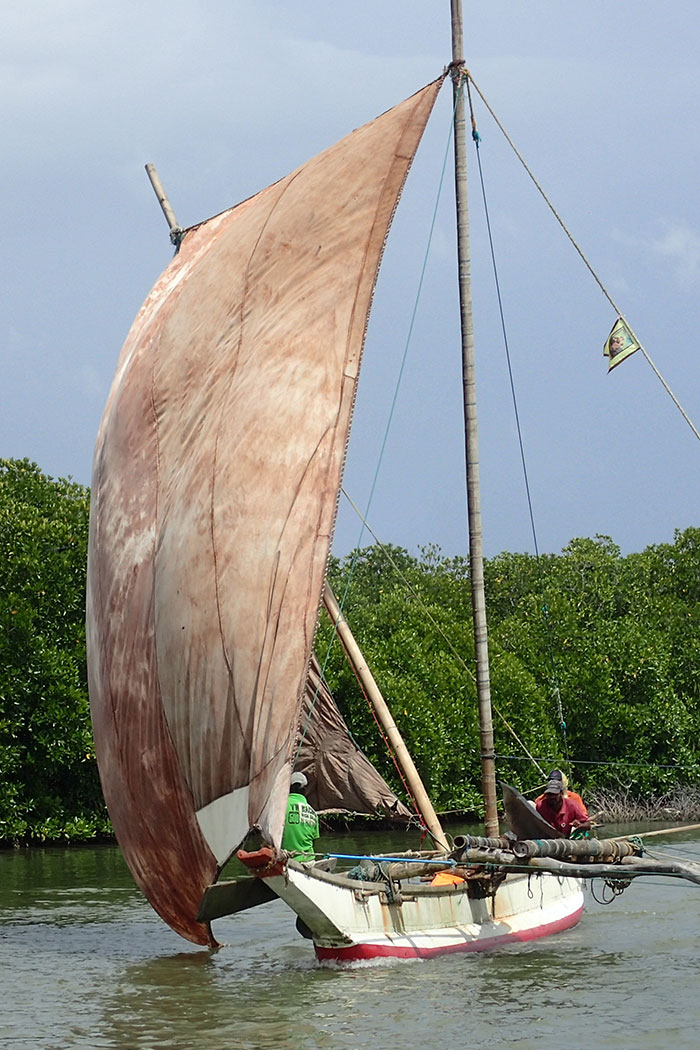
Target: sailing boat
{"x": 216, "y": 477}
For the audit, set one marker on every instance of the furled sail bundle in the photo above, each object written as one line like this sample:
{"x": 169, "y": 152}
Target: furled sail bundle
{"x": 215, "y": 481}
{"x": 340, "y": 776}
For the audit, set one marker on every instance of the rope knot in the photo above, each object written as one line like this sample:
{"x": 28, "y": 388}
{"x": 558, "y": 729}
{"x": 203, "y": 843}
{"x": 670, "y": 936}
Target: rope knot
{"x": 457, "y": 70}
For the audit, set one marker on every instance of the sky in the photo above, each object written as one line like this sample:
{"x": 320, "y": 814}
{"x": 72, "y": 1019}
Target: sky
{"x": 226, "y": 96}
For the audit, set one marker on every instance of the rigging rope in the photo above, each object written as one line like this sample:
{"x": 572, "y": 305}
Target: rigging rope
{"x": 469, "y": 80}
{"x": 623, "y": 763}
{"x": 548, "y": 630}
{"x": 409, "y": 334}
{"x": 457, "y": 655}
{"x": 579, "y": 250}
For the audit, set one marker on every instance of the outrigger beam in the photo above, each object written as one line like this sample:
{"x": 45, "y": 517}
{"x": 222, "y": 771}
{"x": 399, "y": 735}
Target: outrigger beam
{"x": 628, "y": 868}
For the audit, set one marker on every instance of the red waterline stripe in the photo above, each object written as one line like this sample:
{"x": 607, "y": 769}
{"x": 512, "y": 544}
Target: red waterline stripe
{"x": 374, "y": 951}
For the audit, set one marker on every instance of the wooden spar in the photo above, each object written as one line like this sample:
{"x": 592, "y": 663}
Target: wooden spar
{"x": 175, "y": 228}
{"x": 359, "y": 665}
{"x": 628, "y": 868}
{"x": 476, "y": 560}
{"x": 666, "y": 831}
{"x": 561, "y": 849}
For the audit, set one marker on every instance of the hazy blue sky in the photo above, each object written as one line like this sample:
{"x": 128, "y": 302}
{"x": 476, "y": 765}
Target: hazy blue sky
{"x": 225, "y": 96}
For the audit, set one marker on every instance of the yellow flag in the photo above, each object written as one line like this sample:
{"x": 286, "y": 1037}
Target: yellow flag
{"x": 620, "y": 343}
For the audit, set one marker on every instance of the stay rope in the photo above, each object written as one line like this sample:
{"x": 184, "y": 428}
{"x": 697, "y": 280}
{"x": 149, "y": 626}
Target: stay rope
{"x": 466, "y": 77}
{"x": 434, "y": 623}
{"x": 470, "y": 80}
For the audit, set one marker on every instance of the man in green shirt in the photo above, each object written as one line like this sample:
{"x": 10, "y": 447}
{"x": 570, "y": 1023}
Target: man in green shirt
{"x": 301, "y": 822}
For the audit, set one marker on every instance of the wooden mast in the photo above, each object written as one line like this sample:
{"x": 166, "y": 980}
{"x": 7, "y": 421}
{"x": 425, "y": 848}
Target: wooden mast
{"x": 476, "y": 561}
{"x": 403, "y": 757}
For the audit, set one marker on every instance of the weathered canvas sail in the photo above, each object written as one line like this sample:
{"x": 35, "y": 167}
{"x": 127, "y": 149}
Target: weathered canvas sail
{"x": 340, "y": 775}
{"x": 215, "y": 481}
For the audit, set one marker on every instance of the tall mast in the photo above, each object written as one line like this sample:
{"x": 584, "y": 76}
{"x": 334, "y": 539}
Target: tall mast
{"x": 476, "y": 559}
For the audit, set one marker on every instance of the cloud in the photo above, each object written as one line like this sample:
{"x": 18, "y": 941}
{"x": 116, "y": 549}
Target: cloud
{"x": 680, "y": 245}
{"x": 676, "y": 248}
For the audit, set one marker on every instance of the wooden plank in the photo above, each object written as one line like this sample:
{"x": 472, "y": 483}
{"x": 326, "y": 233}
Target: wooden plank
{"x": 227, "y": 898}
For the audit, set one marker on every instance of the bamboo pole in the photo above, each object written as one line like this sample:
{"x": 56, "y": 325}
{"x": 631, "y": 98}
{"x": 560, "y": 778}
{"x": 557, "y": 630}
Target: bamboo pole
{"x": 666, "y": 831}
{"x": 476, "y": 559}
{"x": 359, "y": 664}
{"x": 175, "y": 228}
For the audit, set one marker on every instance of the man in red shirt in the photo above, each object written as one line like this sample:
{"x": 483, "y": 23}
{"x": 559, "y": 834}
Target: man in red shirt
{"x": 557, "y": 774}
{"x": 561, "y": 810}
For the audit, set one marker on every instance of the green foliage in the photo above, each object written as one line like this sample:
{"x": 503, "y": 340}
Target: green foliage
{"x": 595, "y": 663}
{"x": 411, "y": 629}
{"x": 49, "y": 786}
{"x": 607, "y": 645}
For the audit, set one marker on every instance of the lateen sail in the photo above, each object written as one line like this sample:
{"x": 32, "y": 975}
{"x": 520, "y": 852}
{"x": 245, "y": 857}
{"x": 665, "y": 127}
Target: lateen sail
{"x": 215, "y": 482}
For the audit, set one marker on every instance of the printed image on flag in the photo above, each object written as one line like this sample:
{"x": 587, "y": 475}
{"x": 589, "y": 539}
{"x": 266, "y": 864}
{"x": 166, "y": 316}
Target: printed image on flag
{"x": 620, "y": 343}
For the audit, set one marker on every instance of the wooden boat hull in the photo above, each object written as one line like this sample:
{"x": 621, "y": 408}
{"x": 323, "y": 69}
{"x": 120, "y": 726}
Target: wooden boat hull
{"x": 350, "y": 920}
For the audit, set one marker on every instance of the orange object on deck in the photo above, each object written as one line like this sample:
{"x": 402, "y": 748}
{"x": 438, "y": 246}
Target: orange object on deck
{"x": 444, "y": 878}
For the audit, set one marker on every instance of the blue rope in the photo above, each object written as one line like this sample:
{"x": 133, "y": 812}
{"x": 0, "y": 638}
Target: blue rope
{"x": 441, "y": 861}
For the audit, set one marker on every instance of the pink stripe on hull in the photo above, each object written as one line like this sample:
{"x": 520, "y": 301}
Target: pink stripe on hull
{"x": 375, "y": 951}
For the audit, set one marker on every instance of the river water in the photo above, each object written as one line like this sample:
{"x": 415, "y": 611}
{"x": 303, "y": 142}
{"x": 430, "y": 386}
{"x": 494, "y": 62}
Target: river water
{"x": 85, "y": 963}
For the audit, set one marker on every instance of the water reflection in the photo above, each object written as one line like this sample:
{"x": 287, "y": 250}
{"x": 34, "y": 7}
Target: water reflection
{"x": 210, "y": 997}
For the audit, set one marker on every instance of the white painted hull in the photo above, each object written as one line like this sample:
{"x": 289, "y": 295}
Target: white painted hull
{"x": 349, "y": 920}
